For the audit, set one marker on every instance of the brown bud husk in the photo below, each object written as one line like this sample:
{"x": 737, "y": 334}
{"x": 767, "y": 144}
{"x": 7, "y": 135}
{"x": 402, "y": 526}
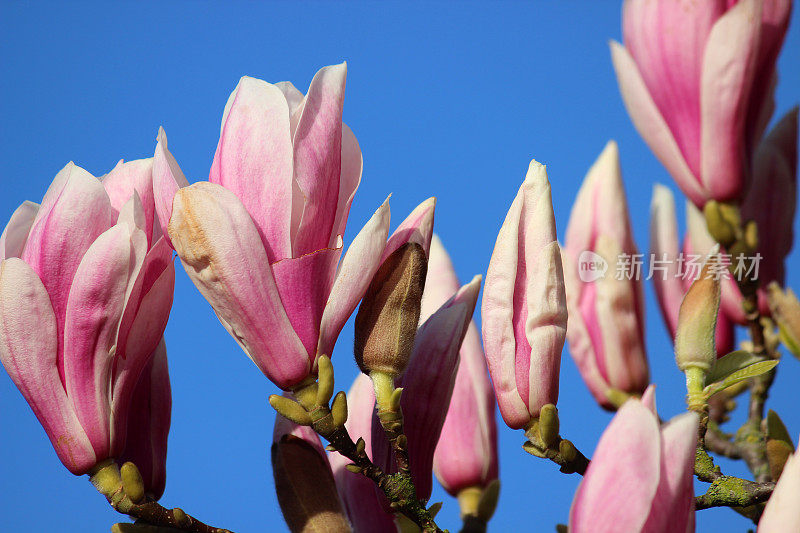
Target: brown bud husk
{"x": 697, "y": 320}
{"x": 387, "y": 320}
{"x": 305, "y": 488}
{"x": 785, "y": 309}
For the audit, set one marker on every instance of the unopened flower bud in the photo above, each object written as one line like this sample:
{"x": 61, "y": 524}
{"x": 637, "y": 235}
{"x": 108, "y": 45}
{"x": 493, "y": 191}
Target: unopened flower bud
{"x": 387, "y": 320}
{"x": 697, "y": 319}
{"x": 304, "y": 482}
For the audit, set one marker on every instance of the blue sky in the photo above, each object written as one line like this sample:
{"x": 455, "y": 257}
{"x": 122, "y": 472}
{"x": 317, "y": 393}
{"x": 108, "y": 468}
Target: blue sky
{"x": 446, "y": 100}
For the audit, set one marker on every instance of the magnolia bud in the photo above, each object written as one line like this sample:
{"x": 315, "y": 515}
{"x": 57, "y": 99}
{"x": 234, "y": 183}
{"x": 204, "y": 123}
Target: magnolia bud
{"x": 387, "y": 320}
{"x": 305, "y": 487}
{"x": 697, "y": 319}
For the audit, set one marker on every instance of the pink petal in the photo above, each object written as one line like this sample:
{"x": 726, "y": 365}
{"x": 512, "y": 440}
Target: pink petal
{"x": 667, "y": 40}
{"x": 649, "y": 399}
{"x": 352, "y": 163}
{"x": 68, "y": 222}
{"x": 167, "y": 179}
{"x": 729, "y": 65}
{"x": 318, "y": 160}
{"x": 466, "y": 454}
{"x": 617, "y": 491}
{"x": 772, "y": 197}
{"x": 28, "y": 350}
{"x": 354, "y": 275}
{"x": 651, "y": 125}
{"x": 254, "y": 160}
{"x": 304, "y": 284}
{"x": 127, "y": 178}
{"x": 96, "y": 302}
{"x": 441, "y": 282}
{"x": 141, "y": 340}
{"x": 15, "y": 234}
{"x": 149, "y": 421}
{"x": 417, "y": 227}
{"x": 428, "y": 383}
{"x": 222, "y": 253}
{"x": 782, "y": 512}
{"x": 673, "y": 503}
{"x": 774, "y": 23}
{"x": 665, "y": 248}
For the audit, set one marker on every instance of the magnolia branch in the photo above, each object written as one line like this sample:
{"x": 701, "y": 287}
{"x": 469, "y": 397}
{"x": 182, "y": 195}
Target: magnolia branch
{"x": 125, "y": 493}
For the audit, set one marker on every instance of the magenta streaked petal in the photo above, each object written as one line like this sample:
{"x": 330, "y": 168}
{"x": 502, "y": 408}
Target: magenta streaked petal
{"x": 148, "y": 423}
{"x": 221, "y": 250}
{"x": 167, "y": 179}
{"x": 28, "y": 350}
{"x": 63, "y": 230}
{"x": 15, "y": 234}
{"x": 254, "y": 161}
{"x": 318, "y": 160}
{"x": 352, "y": 164}
{"x": 671, "y": 66}
{"x": 143, "y": 336}
{"x": 96, "y": 302}
{"x": 729, "y": 64}
{"x": 651, "y": 124}
{"x": 304, "y": 284}
{"x": 356, "y": 270}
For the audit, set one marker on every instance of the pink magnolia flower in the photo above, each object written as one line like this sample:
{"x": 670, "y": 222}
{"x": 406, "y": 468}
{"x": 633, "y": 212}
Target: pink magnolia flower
{"x": 148, "y": 423}
{"x": 85, "y": 292}
{"x": 673, "y": 278}
{"x": 697, "y": 79}
{"x": 524, "y": 311}
{"x": 782, "y": 512}
{"x": 427, "y": 388}
{"x": 640, "y": 477}
{"x": 606, "y": 310}
{"x": 466, "y": 455}
{"x": 263, "y": 237}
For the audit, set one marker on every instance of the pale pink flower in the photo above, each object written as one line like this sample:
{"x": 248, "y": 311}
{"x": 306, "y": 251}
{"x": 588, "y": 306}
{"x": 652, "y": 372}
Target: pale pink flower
{"x": 697, "y": 79}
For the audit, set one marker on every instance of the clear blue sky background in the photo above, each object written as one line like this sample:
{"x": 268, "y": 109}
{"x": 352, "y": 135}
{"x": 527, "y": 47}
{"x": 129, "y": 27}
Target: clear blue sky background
{"x": 451, "y": 100}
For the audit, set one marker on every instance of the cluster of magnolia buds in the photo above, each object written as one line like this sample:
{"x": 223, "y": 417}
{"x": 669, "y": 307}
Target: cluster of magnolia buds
{"x": 87, "y": 277}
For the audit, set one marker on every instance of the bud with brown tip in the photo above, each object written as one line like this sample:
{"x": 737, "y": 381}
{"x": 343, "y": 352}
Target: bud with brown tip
{"x": 387, "y": 320}
{"x": 304, "y": 482}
